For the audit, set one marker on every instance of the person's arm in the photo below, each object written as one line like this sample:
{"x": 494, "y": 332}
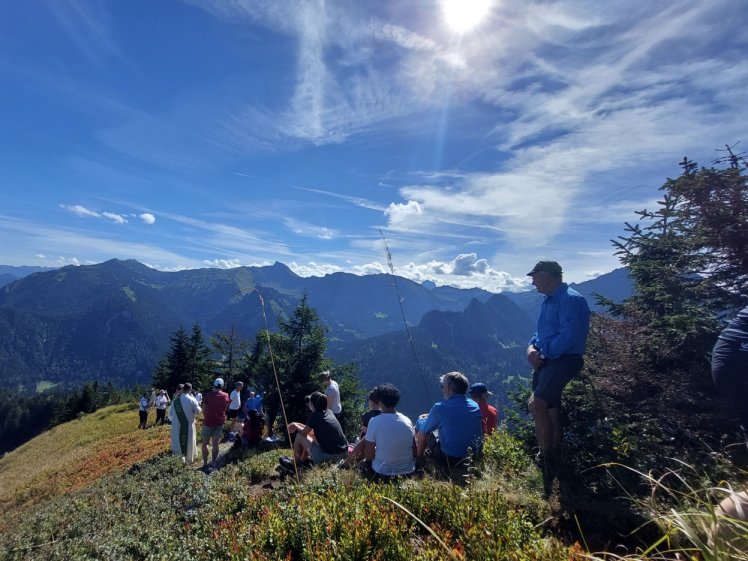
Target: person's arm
{"x": 533, "y": 357}
{"x": 329, "y": 392}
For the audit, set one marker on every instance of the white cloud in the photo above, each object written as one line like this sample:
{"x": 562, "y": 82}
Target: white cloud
{"x": 223, "y": 263}
{"x": 80, "y": 210}
{"x": 464, "y": 271}
{"x": 147, "y": 218}
{"x": 114, "y": 217}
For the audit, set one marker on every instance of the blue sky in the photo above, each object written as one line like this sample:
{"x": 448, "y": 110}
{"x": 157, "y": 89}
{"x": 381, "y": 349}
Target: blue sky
{"x": 234, "y": 132}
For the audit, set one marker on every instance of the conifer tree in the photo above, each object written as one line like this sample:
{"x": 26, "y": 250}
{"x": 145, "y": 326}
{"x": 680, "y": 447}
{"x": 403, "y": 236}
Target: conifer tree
{"x": 232, "y": 352}
{"x": 298, "y": 352}
{"x": 200, "y": 366}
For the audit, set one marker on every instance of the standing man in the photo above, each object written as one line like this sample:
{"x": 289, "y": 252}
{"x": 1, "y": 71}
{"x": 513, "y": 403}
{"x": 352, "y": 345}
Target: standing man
{"x": 555, "y": 352}
{"x": 479, "y": 394}
{"x": 214, "y": 404}
{"x": 162, "y": 402}
{"x": 236, "y": 402}
{"x": 145, "y": 405}
{"x": 183, "y": 412}
{"x": 332, "y": 391}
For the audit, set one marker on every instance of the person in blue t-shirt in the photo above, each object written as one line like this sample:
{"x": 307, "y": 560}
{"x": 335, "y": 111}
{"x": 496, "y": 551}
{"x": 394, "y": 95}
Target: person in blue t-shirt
{"x": 555, "y": 352}
{"x": 458, "y": 421}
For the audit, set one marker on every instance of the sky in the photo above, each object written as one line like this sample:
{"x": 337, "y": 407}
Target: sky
{"x": 475, "y": 137}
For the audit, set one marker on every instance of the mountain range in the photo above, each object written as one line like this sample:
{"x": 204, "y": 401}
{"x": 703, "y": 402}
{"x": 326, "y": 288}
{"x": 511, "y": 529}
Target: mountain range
{"x": 112, "y": 321}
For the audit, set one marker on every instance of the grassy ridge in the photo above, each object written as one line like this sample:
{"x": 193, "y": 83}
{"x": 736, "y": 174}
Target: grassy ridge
{"x": 74, "y": 455}
{"x": 117, "y": 506}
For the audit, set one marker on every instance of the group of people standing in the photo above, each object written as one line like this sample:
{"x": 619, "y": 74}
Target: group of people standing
{"x": 161, "y": 402}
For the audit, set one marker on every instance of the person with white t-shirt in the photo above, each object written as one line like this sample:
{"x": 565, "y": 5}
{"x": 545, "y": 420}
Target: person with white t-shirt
{"x": 235, "y": 405}
{"x": 332, "y": 391}
{"x": 389, "y": 443}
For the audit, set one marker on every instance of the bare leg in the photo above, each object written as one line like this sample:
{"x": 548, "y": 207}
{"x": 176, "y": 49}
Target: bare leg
{"x": 422, "y": 440}
{"x": 216, "y": 440}
{"x": 205, "y": 452}
{"x": 301, "y": 447}
{"x": 543, "y": 423}
{"x": 356, "y": 454}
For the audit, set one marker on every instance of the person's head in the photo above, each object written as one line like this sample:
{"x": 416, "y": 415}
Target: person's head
{"x": 187, "y": 387}
{"x": 454, "y": 383}
{"x": 389, "y": 395}
{"x": 146, "y": 394}
{"x": 218, "y": 384}
{"x": 308, "y": 401}
{"x": 251, "y": 395}
{"x": 239, "y": 386}
{"x": 161, "y": 392}
{"x": 372, "y": 400}
{"x": 479, "y": 392}
{"x": 325, "y": 378}
{"x": 547, "y": 276}
{"x": 319, "y": 401}
{"x": 180, "y": 388}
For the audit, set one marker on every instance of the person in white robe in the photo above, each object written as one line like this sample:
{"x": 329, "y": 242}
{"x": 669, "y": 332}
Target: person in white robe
{"x": 183, "y": 412}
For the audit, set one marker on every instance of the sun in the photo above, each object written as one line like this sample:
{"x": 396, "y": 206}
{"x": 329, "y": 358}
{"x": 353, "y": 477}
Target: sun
{"x": 464, "y": 15}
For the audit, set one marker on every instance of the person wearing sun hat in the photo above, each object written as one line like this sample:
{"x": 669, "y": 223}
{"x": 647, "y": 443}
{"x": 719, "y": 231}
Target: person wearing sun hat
{"x": 479, "y": 393}
{"x": 555, "y": 353}
{"x": 162, "y": 402}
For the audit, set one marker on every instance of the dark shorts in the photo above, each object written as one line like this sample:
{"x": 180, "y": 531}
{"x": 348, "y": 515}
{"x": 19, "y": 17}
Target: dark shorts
{"x": 730, "y": 375}
{"x": 232, "y": 413}
{"x": 551, "y": 379}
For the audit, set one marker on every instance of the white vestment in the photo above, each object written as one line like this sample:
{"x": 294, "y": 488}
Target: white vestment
{"x": 183, "y": 437}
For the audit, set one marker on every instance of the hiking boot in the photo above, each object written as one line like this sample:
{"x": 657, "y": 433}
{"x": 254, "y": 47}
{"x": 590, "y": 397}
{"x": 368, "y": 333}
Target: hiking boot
{"x": 286, "y": 463}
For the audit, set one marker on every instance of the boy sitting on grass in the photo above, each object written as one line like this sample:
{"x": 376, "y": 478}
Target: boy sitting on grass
{"x": 320, "y": 440}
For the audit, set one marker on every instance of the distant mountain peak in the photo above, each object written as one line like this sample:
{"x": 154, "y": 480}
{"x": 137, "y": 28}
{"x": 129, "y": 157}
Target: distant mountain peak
{"x": 431, "y": 285}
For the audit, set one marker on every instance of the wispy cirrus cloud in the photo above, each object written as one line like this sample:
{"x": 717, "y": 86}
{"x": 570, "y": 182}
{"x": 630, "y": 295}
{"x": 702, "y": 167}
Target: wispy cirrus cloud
{"x": 80, "y": 210}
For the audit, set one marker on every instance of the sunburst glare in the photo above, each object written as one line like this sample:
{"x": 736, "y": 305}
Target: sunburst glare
{"x": 463, "y": 15}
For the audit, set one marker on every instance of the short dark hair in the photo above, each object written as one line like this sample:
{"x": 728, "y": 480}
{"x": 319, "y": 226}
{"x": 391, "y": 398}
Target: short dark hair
{"x": 319, "y": 400}
{"x": 187, "y": 387}
{"x": 373, "y": 396}
{"x": 389, "y": 395}
{"x": 456, "y": 381}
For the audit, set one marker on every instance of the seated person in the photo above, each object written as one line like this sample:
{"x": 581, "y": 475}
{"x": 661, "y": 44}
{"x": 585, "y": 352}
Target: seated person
{"x": 251, "y": 430}
{"x": 322, "y": 438}
{"x": 357, "y": 454}
{"x": 479, "y": 394}
{"x": 389, "y": 444}
{"x": 458, "y": 422}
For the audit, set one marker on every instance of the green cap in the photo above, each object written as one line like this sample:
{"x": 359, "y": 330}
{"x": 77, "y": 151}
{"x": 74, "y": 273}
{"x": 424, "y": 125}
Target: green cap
{"x": 546, "y": 267}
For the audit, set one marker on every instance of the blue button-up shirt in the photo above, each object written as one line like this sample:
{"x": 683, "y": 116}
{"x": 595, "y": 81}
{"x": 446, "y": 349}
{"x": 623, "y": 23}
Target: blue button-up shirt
{"x": 564, "y": 323}
{"x": 460, "y": 425}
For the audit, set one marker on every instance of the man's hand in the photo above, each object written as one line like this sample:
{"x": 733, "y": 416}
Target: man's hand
{"x": 533, "y": 357}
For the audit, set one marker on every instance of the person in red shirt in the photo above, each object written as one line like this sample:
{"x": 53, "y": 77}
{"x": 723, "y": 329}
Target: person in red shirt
{"x": 215, "y": 404}
{"x": 479, "y": 393}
